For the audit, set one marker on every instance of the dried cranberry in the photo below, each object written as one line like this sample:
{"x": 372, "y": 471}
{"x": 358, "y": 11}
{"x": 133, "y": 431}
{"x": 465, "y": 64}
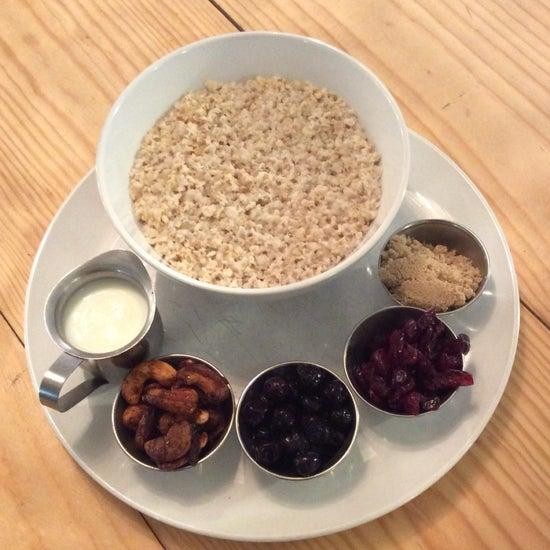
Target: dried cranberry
{"x": 413, "y": 363}
{"x": 361, "y": 375}
{"x": 446, "y": 362}
{"x": 427, "y": 319}
{"x": 460, "y": 344}
{"x": 449, "y": 380}
{"x": 396, "y": 343}
{"x": 431, "y": 404}
{"x": 379, "y": 386}
{"x": 381, "y": 362}
{"x": 427, "y": 338}
{"x": 410, "y": 355}
{"x": 410, "y": 329}
{"x": 424, "y": 367}
{"x": 394, "y": 400}
{"x": 375, "y": 399}
{"x": 399, "y": 377}
{"x": 411, "y": 402}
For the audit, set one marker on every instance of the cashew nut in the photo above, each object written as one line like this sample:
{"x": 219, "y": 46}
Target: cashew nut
{"x": 159, "y": 371}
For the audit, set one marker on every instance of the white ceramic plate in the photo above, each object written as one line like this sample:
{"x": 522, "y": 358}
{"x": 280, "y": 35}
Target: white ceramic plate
{"x": 393, "y": 460}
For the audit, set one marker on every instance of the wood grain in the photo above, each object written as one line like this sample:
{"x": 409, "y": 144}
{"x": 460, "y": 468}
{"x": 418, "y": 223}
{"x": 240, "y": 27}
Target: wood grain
{"x": 62, "y": 64}
{"x": 47, "y": 501}
{"x": 474, "y": 77}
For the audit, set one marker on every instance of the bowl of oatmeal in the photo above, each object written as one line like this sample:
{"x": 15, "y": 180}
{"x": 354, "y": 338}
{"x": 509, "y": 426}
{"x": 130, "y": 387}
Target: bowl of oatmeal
{"x": 253, "y": 163}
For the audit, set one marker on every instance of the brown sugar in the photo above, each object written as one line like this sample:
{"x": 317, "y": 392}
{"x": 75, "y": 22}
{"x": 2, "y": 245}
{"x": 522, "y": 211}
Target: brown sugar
{"x": 427, "y": 276}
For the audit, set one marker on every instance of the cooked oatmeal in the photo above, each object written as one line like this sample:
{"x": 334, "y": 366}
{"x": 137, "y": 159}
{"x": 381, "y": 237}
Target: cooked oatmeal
{"x": 256, "y": 183}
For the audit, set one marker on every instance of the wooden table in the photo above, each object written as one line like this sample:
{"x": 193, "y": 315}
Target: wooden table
{"x": 473, "y": 76}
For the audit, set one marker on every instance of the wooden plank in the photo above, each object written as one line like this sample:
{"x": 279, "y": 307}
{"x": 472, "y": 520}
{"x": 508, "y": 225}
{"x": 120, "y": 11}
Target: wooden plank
{"x": 498, "y": 495}
{"x": 62, "y": 64}
{"x": 473, "y": 76}
{"x": 47, "y": 501}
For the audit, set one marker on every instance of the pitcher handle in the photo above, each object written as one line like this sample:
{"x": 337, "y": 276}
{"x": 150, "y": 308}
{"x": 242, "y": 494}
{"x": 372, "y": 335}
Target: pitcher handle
{"x": 55, "y": 377}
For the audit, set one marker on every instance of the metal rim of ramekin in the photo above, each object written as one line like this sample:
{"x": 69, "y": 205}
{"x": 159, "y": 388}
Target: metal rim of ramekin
{"x": 460, "y": 228}
{"x": 116, "y": 424}
{"x": 350, "y": 377}
{"x": 287, "y": 364}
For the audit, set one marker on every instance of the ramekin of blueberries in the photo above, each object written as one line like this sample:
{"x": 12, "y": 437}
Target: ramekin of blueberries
{"x": 296, "y": 420}
{"x": 406, "y": 361}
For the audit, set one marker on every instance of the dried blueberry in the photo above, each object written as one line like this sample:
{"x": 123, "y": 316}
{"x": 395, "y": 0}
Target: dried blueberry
{"x": 316, "y": 432}
{"x": 293, "y": 443}
{"x": 335, "y": 392}
{"x": 254, "y": 412}
{"x": 283, "y": 418}
{"x": 311, "y": 403}
{"x": 334, "y": 438}
{"x": 276, "y": 388}
{"x": 310, "y": 376}
{"x": 307, "y": 464}
{"x": 341, "y": 418}
{"x": 262, "y": 433}
{"x": 267, "y": 453}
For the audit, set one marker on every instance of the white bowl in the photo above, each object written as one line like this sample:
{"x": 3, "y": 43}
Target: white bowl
{"x": 233, "y": 57}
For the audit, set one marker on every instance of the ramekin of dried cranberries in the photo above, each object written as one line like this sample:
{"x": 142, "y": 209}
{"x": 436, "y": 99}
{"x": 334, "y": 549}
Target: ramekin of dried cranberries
{"x": 297, "y": 420}
{"x": 406, "y": 361}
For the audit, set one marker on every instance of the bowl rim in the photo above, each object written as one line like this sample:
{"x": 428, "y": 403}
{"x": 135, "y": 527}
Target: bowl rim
{"x": 283, "y": 476}
{"x": 172, "y": 273}
{"x": 118, "y": 398}
{"x": 443, "y": 221}
{"x": 350, "y": 378}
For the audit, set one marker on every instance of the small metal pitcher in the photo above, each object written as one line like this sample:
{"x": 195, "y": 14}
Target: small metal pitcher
{"x": 116, "y": 263}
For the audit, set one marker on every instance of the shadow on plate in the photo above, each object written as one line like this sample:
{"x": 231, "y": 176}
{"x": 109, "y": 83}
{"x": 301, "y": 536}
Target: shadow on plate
{"x": 244, "y": 335}
{"x": 200, "y": 483}
{"x": 316, "y": 492}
